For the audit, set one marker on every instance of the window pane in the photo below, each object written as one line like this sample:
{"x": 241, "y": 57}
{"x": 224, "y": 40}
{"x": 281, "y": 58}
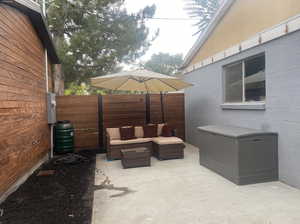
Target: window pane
{"x": 234, "y": 83}
{"x": 255, "y": 87}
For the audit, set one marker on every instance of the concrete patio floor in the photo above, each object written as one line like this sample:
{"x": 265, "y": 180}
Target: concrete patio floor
{"x": 182, "y": 191}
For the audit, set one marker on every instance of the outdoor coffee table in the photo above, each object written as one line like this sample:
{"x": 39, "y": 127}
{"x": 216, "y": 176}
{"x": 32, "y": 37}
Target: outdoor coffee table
{"x": 136, "y": 157}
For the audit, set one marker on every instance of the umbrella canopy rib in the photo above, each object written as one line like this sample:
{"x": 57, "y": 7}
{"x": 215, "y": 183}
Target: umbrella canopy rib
{"x": 168, "y": 84}
{"x": 123, "y": 83}
{"x": 103, "y": 81}
{"x": 140, "y": 79}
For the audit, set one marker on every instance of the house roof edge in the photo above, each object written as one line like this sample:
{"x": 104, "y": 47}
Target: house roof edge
{"x": 205, "y": 35}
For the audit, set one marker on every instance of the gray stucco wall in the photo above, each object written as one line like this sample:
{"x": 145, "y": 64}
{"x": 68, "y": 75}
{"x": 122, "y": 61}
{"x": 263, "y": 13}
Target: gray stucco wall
{"x": 282, "y": 113}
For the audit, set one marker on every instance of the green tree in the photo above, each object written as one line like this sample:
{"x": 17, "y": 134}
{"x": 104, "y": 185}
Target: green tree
{"x": 74, "y": 89}
{"x": 164, "y": 63}
{"x": 83, "y": 89}
{"x": 94, "y": 36}
{"x": 203, "y": 10}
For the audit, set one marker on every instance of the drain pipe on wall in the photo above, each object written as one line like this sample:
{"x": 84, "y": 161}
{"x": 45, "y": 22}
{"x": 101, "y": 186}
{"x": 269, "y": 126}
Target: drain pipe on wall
{"x": 47, "y": 89}
{"x": 52, "y": 104}
{"x": 47, "y": 85}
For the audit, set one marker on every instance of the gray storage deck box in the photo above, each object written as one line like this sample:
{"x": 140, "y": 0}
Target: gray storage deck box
{"x": 242, "y": 155}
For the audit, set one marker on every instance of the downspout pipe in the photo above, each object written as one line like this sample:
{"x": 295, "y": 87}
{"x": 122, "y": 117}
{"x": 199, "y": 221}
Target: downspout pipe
{"x": 46, "y": 53}
{"x": 47, "y": 84}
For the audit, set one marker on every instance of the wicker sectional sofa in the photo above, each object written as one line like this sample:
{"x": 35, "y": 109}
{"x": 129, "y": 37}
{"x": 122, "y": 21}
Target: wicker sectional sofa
{"x": 160, "y": 147}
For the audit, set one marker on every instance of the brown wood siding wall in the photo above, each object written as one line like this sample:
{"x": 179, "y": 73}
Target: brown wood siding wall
{"x": 24, "y": 132}
{"x": 50, "y": 77}
{"x": 82, "y": 111}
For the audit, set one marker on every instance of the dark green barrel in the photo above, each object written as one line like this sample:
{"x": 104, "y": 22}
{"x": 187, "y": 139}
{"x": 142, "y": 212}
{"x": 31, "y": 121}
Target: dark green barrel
{"x": 64, "y": 137}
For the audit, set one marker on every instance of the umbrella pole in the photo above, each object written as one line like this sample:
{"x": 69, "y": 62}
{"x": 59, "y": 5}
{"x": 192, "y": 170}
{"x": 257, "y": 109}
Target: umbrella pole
{"x": 147, "y": 108}
{"x": 162, "y": 107}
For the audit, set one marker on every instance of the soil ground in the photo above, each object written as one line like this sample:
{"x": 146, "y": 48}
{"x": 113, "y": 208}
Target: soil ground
{"x": 66, "y": 197}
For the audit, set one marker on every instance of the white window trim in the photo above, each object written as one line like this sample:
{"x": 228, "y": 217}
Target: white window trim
{"x": 244, "y": 105}
{"x": 259, "y": 105}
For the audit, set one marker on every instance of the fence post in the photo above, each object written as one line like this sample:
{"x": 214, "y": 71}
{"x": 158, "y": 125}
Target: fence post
{"x": 162, "y": 106}
{"x": 147, "y": 108}
{"x": 102, "y": 148}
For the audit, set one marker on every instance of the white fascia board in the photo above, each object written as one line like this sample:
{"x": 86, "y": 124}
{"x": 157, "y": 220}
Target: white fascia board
{"x": 251, "y": 42}
{"x": 198, "y": 65}
{"x": 219, "y": 56}
{"x": 207, "y": 61}
{"x": 294, "y": 25}
{"x": 232, "y": 50}
{"x": 273, "y": 33}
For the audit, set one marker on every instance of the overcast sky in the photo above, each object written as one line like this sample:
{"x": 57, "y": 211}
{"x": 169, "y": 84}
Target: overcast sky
{"x": 176, "y": 36}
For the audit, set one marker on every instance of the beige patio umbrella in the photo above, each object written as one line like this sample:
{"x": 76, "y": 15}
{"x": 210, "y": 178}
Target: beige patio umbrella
{"x": 140, "y": 80}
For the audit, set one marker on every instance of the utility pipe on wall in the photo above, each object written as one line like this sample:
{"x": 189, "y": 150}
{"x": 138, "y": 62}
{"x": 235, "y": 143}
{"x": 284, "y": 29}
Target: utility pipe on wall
{"x": 46, "y": 53}
{"x": 47, "y": 85}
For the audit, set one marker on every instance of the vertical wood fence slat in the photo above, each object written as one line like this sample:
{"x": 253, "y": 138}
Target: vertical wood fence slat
{"x": 101, "y": 127}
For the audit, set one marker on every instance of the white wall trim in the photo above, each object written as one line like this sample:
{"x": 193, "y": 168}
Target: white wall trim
{"x": 22, "y": 179}
{"x": 289, "y": 26}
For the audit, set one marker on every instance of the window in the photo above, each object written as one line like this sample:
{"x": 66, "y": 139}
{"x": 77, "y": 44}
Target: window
{"x": 245, "y": 81}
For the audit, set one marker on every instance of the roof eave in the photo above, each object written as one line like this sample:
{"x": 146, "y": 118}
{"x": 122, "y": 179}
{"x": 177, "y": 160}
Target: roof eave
{"x": 34, "y": 13}
{"x": 205, "y": 35}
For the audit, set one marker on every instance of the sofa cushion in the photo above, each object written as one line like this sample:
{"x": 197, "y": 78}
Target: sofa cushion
{"x": 150, "y": 131}
{"x": 138, "y": 131}
{"x": 159, "y": 129}
{"x": 167, "y": 140}
{"x": 114, "y": 133}
{"x": 131, "y": 141}
{"x": 127, "y": 133}
{"x": 166, "y": 131}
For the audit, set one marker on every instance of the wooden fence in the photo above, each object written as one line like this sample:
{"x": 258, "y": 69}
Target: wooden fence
{"x": 90, "y": 115}
{"x": 83, "y": 112}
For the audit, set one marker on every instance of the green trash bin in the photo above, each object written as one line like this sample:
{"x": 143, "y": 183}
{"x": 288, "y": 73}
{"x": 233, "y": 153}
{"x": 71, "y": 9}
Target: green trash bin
{"x": 64, "y": 137}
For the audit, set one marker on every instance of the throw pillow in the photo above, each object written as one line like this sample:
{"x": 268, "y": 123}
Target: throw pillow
{"x": 150, "y": 131}
{"x": 127, "y": 133}
{"x": 159, "y": 129}
{"x": 166, "y": 131}
{"x": 138, "y": 131}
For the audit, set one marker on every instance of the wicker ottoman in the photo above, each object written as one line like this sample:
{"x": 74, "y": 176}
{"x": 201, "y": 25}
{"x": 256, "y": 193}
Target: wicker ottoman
{"x": 168, "y": 148}
{"x": 136, "y": 157}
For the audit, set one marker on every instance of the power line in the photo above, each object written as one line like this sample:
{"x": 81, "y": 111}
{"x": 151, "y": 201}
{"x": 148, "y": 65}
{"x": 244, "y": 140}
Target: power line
{"x": 157, "y": 18}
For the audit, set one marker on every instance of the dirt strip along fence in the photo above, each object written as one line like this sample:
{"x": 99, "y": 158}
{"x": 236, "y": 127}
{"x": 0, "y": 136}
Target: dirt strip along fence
{"x": 91, "y": 115}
